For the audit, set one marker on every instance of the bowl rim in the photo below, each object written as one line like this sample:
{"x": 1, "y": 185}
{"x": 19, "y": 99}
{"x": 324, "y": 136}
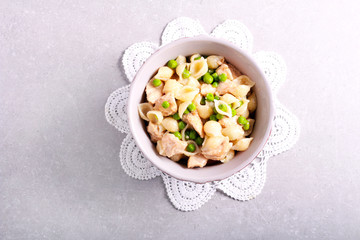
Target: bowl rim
{"x": 258, "y": 69}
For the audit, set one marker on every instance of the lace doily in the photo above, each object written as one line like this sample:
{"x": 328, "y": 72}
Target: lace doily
{"x": 244, "y": 185}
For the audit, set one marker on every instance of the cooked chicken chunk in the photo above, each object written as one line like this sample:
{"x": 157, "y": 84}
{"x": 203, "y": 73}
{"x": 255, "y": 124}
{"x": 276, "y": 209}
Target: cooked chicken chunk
{"x": 207, "y": 88}
{"x": 169, "y": 97}
{"x": 194, "y": 120}
{"x": 153, "y": 93}
{"x": 216, "y": 148}
{"x": 169, "y": 145}
{"x": 235, "y": 73}
{"x": 156, "y": 131}
{"x": 197, "y": 160}
{"x": 224, "y": 68}
{"x": 225, "y": 87}
{"x": 177, "y": 157}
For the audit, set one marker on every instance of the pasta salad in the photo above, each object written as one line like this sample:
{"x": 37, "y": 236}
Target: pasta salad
{"x": 199, "y": 110}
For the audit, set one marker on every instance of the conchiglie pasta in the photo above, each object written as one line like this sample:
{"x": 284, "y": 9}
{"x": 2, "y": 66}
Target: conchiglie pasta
{"x": 240, "y": 91}
{"x": 164, "y": 73}
{"x": 180, "y": 59}
{"x": 143, "y": 109}
{"x": 212, "y": 129}
{"x": 155, "y": 117}
{"x": 214, "y": 61}
{"x": 192, "y": 82}
{"x": 179, "y": 71}
{"x": 204, "y": 111}
{"x": 198, "y": 68}
{"x": 242, "y": 144}
{"x": 187, "y": 93}
{"x": 229, "y": 98}
{"x": 244, "y": 80}
{"x": 182, "y": 108}
{"x": 170, "y": 124}
{"x": 241, "y": 110}
{"x": 252, "y": 102}
{"x": 229, "y": 156}
{"x": 172, "y": 86}
{"x": 234, "y": 132}
{"x": 228, "y": 112}
{"x": 196, "y": 55}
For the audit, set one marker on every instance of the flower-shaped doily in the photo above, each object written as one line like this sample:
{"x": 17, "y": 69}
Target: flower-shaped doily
{"x": 244, "y": 185}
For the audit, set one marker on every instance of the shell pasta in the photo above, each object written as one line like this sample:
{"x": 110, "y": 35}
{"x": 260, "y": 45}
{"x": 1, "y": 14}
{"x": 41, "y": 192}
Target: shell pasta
{"x": 199, "y": 110}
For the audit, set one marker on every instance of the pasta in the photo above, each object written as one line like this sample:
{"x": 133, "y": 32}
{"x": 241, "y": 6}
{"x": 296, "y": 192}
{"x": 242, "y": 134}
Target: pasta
{"x": 155, "y": 117}
{"x": 170, "y": 124}
{"x": 144, "y": 108}
{"x": 172, "y": 86}
{"x": 199, "y": 108}
{"x": 164, "y": 73}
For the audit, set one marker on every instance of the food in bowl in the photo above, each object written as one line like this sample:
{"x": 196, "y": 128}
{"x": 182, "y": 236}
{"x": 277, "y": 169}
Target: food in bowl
{"x": 199, "y": 110}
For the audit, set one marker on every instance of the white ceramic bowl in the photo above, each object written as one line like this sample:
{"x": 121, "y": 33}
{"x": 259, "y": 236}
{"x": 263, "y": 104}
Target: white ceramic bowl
{"x": 207, "y": 46}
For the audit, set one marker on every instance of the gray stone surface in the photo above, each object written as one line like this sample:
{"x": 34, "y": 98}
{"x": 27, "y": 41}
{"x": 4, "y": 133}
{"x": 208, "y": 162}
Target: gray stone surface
{"x": 60, "y": 176}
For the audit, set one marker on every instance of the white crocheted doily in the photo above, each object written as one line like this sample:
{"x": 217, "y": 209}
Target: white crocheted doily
{"x": 244, "y": 185}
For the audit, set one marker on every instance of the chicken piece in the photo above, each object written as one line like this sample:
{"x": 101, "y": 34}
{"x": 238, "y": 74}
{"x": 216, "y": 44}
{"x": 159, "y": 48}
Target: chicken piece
{"x": 207, "y": 88}
{"x": 169, "y": 97}
{"x": 177, "y": 157}
{"x": 227, "y": 122}
{"x": 216, "y": 148}
{"x": 197, "y": 160}
{"x": 224, "y": 68}
{"x": 235, "y": 73}
{"x": 194, "y": 120}
{"x": 225, "y": 87}
{"x": 153, "y": 93}
{"x": 169, "y": 145}
{"x": 156, "y": 131}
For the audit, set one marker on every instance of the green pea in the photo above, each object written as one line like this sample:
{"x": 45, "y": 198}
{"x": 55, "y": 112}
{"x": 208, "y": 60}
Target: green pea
{"x": 202, "y": 102}
{"x": 176, "y": 116}
{"x": 186, "y": 111}
{"x": 199, "y": 141}
{"x": 182, "y": 125}
{"x": 193, "y": 135}
{"x": 233, "y": 111}
{"x": 172, "y": 64}
{"x": 213, "y": 117}
{"x": 165, "y": 104}
{"x": 156, "y": 82}
{"x": 191, "y": 147}
{"x": 242, "y": 120}
{"x": 178, "y": 135}
{"x": 197, "y": 58}
{"x": 215, "y": 111}
{"x": 217, "y": 97}
{"x": 191, "y": 107}
{"x": 223, "y": 107}
{"x": 186, "y": 73}
{"x": 210, "y": 97}
{"x": 219, "y": 116}
{"x": 211, "y": 71}
{"x": 215, "y": 76}
{"x": 215, "y": 84}
{"x": 222, "y": 77}
{"x": 208, "y": 78}
{"x": 246, "y": 126}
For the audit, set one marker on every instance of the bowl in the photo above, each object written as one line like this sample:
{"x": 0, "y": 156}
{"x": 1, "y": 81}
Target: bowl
{"x": 204, "y": 45}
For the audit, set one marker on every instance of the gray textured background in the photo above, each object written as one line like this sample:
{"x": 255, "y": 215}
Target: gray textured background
{"x": 60, "y": 176}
